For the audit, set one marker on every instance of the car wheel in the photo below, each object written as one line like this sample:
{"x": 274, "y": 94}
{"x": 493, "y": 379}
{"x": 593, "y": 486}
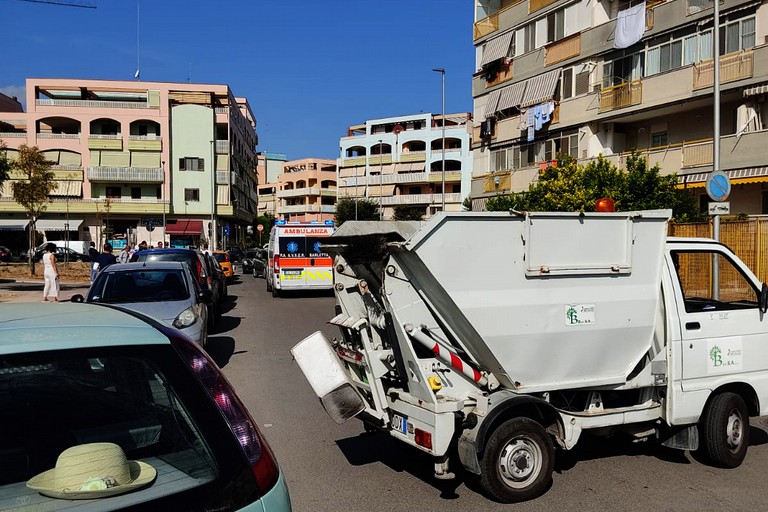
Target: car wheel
{"x": 725, "y": 430}
{"x": 518, "y": 461}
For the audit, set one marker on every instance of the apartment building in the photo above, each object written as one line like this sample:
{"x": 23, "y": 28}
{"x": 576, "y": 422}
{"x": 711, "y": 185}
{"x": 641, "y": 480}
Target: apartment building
{"x": 589, "y": 77}
{"x": 137, "y": 161}
{"x": 269, "y": 168}
{"x": 306, "y": 190}
{"x": 399, "y": 161}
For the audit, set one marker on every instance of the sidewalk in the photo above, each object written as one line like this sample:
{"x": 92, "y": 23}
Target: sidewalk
{"x": 32, "y": 291}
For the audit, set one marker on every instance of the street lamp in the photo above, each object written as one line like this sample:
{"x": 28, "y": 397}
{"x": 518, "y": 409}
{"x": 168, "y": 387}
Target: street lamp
{"x": 381, "y": 182}
{"x": 162, "y": 199}
{"x": 213, "y": 199}
{"x": 442, "y": 76}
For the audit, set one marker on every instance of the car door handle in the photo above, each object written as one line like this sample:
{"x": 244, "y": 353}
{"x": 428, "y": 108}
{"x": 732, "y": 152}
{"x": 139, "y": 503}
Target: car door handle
{"x": 692, "y": 326}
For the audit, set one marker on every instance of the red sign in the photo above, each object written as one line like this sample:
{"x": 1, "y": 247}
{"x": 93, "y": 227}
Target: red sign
{"x": 260, "y": 227}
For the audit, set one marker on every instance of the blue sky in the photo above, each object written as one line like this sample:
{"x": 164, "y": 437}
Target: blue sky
{"x": 309, "y": 68}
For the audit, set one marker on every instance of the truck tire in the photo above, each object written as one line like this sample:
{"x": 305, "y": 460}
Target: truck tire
{"x": 518, "y": 461}
{"x": 725, "y": 430}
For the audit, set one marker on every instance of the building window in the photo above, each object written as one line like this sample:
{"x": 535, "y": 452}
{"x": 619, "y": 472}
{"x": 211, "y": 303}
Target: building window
{"x": 622, "y": 70}
{"x": 659, "y": 139}
{"x": 158, "y": 193}
{"x": 566, "y": 89}
{"x": 135, "y": 192}
{"x": 564, "y": 144}
{"x": 114, "y": 192}
{"x": 192, "y": 195}
{"x": 765, "y": 203}
{"x": 499, "y": 161}
{"x": 529, "y": 32}
{"x": 191, "y": 164}
{"x": 555, "y": 26}
{"x": 414, "y": 190}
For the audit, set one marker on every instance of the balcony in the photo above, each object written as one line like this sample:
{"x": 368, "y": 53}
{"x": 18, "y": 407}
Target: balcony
{"x": 733, "y": 67}
{"x": 92, "y": 205}
{"x": 222, "y": 177}
{"x": 145, "y": 143}
{"x": 91, "y": 103}
{"x": 380, "y": 159}
{"x": 413, "y": 156}
{"x": 504, "y": 74}
{"x": 124, "y": 175}
{"x": 299, "y": 208}
{"x": 353, "y": 161}
{"x": 537, "y": 5}
{"x": 222, "y": 147}
{"x": 563, "y": 50}
{"x": 487, "y": 25}
{"x": 99, "y": 141}
{"x": 13, "y": 135}
{"x": 498, "y": 182}
{"x": 222, "y": 110}
{"x": 623, "y": 95}
{"x": 450, "y": 176}
{"x": 410, "y": 199}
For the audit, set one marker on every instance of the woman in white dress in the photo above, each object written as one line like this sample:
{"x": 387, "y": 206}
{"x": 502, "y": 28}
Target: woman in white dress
{"x": 51, "y": 274}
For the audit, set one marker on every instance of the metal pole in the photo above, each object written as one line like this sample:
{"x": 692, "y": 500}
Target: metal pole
{"x": 716, "y": 145}
{"x": 381, "y": 182}
{"x": 442, "y": 76}
{"x": 162, "y": 198}
{"x": 213, "y": 198}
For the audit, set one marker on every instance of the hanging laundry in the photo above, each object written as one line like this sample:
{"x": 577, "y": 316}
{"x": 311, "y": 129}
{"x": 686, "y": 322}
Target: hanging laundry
{"x": 530, "y": 133}
{"x": 523, "y": 120}
{"x": 546, "y": 111}
{"x": 537, "y": 116}
{"x": 630, "y": 25}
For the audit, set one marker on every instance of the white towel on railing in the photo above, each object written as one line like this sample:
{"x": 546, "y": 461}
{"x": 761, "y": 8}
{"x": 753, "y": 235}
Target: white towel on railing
{"x": 630, "y": 25}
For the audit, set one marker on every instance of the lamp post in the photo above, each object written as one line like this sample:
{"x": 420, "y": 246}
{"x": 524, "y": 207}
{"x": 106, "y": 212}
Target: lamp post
{"x": 162, "y": 198}
{"x": 381, "y": 181}
{"x": 213, "y": 198}
{"x": 442, "y": 76}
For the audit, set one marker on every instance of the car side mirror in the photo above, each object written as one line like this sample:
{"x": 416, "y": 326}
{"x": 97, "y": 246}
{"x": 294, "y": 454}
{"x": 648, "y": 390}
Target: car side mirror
{"x": 206, "y": 296}
{"x": 764, "y": 298}
{"x": 77, "y": 298}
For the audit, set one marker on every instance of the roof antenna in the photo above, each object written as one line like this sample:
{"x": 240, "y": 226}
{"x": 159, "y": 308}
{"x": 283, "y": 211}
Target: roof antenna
{"x": 137, "y": 74}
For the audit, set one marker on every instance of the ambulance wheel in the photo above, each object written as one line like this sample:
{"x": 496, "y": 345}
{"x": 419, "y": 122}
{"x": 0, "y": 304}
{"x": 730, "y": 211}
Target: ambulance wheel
{"x": 269, "y": 286}
{"x": 275, "y": 292}
{"x": 725, "y": 430}
{"x": 518, "y": 461}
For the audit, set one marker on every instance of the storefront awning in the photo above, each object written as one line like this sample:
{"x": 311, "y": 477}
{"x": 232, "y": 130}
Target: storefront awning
{"x": 184, "y": 227}
{"x": 754, "y": 91}
{"x": 13, "y": 224}
{"x": 58, "y": 224}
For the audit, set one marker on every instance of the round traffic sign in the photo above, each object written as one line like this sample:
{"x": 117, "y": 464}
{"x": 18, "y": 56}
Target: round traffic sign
{"x": 260, "y": 227}
{"x": 718, "y": 186}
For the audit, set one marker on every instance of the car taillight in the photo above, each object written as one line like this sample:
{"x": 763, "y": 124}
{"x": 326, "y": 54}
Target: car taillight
{"x": 277, "y": 264}
{"x": 255, "y": 449}
{"x": 199, "y": 270}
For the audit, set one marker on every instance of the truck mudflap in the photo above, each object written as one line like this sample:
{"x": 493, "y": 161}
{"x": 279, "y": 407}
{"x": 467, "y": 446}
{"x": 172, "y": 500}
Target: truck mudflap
{"x": 326, "y": 374}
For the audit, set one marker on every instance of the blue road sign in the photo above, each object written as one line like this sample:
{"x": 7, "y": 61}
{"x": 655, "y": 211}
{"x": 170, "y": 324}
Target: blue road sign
{"x": 718, "y": 186}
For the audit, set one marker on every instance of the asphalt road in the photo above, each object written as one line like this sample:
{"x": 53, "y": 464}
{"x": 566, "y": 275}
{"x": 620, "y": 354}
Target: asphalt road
{"x": 333, "y": 467}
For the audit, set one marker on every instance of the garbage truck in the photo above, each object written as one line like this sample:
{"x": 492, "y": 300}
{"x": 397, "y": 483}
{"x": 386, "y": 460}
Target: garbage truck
{"x": 491, "y": 339}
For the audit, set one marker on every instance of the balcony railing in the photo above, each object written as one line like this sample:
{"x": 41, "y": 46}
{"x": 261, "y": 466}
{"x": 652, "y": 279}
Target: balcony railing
{"x": 734, "y": 66}
{"x": 222, "y": 177}
{"x": 221, "y": 110}
{"x": 106, "y": 136}
{"x": 58, "y": 135}
{"x": 353, "y": 160}
{"x": 563, "y": 49}
{"x": 537, "y": 5}
{"x": 623, "y": 95}
{"x": 91, "y": 103}
{"x": 222, "y": 147}
{"x": 13, "y": 135}
{"x": 505, "y": 73}
{"x": 694, "y": 6}
{"x": 125, "y": 174}
{"x": 420, "y": 199}
{"x": 487, "y": 25}
{"x": 145, "y": 137}
{"x": 413, "y": 156}
{"x": 498, "y": 182}
{"x": 697, "y": 153}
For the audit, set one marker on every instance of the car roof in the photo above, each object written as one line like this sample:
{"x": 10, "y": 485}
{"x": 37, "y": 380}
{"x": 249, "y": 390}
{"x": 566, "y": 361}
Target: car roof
{"x": 146, "y": 265}
{"x": 165, "y": 249}
{"x": 34, "y": 327}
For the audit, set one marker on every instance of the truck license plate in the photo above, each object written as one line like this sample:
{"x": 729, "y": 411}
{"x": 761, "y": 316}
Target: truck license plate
{"x": 400, "y": 423}
{"x": 292, "y": 272}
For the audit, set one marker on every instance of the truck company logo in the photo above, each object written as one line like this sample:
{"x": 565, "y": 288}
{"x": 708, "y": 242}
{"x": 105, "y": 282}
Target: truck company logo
{"x": 716, "y": 356}
{"x": 725, "y": 355}
{"x": 305, "y": 231}
{"x": 580, "y": 314}
{"x": 293, "y": 247}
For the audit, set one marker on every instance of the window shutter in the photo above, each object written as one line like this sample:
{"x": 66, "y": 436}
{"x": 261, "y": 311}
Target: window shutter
{"x": 582, "y": 83}
{"x": 181, "y": 165}
{"x": 200, "y": 164}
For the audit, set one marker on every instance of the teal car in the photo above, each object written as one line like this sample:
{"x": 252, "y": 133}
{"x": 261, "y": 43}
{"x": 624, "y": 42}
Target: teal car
{"x": 105, "y": 409}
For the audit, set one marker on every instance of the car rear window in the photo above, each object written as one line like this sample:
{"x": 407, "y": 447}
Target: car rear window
{"x": 140, "y": 398}
{"x": 139, "y": 285}
{"x": 190, "y": 258}
{"x": 221, "y": 258}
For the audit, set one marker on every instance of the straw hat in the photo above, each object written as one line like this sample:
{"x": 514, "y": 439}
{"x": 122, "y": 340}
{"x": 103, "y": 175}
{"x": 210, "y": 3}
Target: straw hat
{"x": 94, "y": 470}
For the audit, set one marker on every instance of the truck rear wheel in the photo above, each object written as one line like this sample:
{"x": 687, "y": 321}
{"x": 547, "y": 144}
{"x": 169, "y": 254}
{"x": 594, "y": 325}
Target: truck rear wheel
{"x": 518, "y": 461}
{"x": 725, "y": 430}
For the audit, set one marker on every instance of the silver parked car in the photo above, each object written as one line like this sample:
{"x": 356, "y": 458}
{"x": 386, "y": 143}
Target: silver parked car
{"x": 163, "y": 290}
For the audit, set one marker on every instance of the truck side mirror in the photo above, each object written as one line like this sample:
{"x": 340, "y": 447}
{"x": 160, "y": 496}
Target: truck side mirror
{"x": 764, "y": 298}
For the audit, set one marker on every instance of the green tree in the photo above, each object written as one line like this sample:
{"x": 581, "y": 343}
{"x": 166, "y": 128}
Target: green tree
{"x": 267, "y": 221}
{"x": 32, "y": 192}
{"x": 405, "y": 212}
{"x": 466, "y": 205}
{"x": 5, "y": 164}
{"x": 569, "y": 187}
{"x": 349, "y": 208}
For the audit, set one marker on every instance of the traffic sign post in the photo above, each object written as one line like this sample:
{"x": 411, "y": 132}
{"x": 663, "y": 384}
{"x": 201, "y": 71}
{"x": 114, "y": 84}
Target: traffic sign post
{"x": 718, "y": 188}
{"x": 260, "y": 228}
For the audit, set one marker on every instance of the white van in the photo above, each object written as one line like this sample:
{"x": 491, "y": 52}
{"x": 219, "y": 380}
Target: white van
{"x": 295, "y": 260}
{"x": 76, "y": 245}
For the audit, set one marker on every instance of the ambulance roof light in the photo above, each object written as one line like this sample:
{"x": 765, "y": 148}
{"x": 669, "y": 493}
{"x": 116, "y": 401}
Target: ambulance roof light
{"x": 280, "y": 222}
{"x": 329, "y": 223}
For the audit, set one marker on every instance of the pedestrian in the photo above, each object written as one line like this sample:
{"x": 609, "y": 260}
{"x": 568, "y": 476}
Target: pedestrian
{"x": 106, "y": 258}
{"x": 93, "y": 254}
{"x": 125, "y": 255}
{"x": 205, "y": 249}
{"x": 51, "y": 274}
{"x": 143, "y": 245}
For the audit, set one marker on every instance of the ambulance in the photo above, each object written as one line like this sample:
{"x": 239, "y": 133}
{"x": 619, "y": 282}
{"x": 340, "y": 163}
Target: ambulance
{"x": 295, "y": 259}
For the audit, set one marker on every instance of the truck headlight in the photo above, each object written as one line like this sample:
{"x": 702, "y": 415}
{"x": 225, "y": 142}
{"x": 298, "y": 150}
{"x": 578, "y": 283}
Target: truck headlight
{"x": 185, "y": 319}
